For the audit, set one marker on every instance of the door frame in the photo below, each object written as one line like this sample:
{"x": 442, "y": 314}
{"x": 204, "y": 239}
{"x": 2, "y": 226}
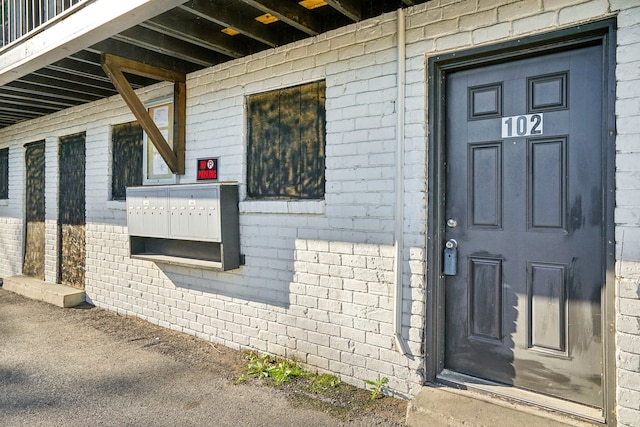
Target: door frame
{"x": 595, "y": 33}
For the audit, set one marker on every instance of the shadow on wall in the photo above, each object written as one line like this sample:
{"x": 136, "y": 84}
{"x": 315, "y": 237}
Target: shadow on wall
{"x": 262, "y": 279}
{"x": 301, "y": 275}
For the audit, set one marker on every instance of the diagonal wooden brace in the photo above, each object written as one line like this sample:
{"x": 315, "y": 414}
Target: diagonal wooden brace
{"x": 114, "y": 67}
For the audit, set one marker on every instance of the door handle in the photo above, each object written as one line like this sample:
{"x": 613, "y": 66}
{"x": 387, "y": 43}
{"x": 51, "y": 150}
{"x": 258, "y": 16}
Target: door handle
{"x": 450, "y": 258}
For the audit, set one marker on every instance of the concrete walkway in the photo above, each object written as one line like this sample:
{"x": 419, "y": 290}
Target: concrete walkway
{"x": 447, "y": 407}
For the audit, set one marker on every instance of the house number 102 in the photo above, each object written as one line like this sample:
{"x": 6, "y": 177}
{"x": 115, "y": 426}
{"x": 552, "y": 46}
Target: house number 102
{"x": 525, "y": 125}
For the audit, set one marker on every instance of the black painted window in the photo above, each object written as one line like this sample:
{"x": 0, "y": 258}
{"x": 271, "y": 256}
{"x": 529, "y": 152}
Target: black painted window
{"x": 4, "y": 173}
{"x": 127, "y": 158}
{"x": 286, "y": 143}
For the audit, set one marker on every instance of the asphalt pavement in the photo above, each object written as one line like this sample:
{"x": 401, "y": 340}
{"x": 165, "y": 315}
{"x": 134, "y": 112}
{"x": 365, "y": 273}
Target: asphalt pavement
{"x": 90, "y": 367}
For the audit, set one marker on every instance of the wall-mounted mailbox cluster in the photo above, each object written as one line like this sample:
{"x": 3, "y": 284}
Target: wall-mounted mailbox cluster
{"x": 194, "y": 225}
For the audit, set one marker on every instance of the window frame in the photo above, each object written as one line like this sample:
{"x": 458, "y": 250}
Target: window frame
{"x": 151, "y": 158}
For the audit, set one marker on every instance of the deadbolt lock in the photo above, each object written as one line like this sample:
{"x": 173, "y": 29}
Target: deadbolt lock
{"x": 450, "y": 258}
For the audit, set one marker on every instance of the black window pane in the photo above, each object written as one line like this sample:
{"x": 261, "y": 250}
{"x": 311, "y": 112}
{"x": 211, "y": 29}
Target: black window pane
{"x": 4, "y": 173}
{"x": 127, "y": 159}
{"x": 35, "y": 181}
{"x": 72, "y": 164}
{"x": 286, "y": 143}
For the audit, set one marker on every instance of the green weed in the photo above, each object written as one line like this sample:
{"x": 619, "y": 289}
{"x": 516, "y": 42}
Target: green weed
{"x": 377, "y": 387}
{"x": 279, "y": 370}
{"x": 241, "y": 379}
{"x": 259, "y": 365}
{"x": 283, "y": 371}
{"x": 327, "y": 380}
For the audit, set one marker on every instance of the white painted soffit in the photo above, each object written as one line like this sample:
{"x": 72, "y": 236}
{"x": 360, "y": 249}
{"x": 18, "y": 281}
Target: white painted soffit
{"x": 92, "y": 23}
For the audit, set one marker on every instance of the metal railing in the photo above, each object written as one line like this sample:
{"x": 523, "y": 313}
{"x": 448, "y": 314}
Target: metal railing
{"x": 20, "y": 17}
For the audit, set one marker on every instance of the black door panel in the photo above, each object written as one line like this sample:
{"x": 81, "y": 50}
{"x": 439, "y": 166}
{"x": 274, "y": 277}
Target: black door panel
{"x": 524, "y": 185}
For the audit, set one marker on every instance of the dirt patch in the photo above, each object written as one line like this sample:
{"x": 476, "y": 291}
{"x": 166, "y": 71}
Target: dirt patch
{"x": 348, "y": 403}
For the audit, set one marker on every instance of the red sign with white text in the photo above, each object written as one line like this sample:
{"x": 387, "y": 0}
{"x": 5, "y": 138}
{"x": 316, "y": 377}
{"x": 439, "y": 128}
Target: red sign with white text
{"x": 207, "y": 169}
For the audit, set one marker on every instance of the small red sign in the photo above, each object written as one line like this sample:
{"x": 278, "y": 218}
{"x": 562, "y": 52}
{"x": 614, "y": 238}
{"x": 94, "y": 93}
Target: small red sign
{"x": 207, "y": 169}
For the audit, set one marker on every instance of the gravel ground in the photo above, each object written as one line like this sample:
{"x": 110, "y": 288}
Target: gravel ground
{"x": 91, "y": 367}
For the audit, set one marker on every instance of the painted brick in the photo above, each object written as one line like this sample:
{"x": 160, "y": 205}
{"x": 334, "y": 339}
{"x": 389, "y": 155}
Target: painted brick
{"x": 341, "y": 368}
{"x": 318, "y": 362}
{"x": 517, "y": 10}
{"x": 381, "y": 368}
{"x": 628, "y": 342}
{"x": 628, "y": 361}
{"x": 629, "y": 399}
{"x": 341, "y": 319}
{"x": 488, "y": 34}
{"x": 471, "y": 22}
{"x": 339, "y": 271}
{"x": 533, "y": 23}
{"x": 328, "y": 329}
{"x": 629, "y": 307}
{"x": 453, "y": 41}
{"x": 582, "y": 11}
{"x": 628, "y": 380}
{"x": 441, "y": 27}
{"x": 629, "y": 288}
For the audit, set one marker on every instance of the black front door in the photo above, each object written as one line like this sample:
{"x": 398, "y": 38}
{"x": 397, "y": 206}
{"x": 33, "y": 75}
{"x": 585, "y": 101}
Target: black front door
{"x": 524, "y": 203}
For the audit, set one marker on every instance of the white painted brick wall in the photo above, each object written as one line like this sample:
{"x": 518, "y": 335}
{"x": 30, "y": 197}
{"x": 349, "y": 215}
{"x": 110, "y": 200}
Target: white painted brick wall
{"x": 317, "y": 284}
{"x": 11, "y": 219}
{"x": 626, "y": 215}
{"x": 628, "y": 342}
{"x": 10, "y": 246}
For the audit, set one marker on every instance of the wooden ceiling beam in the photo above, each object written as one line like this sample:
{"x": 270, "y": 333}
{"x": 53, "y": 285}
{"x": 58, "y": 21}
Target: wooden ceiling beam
{"x": 294, "y": 15}
{"x": 32, "y": 106}
{"x": 128, "y": 51}
{"x": 8, "y": 118}
{"x": 66, "y": 74}
{"x": 69, "y": 86}
{"x": 80, "y": 62}
{"x": 223, "y": 16}
{"x": 157, "y": 42}
{"x": 349, "y": 8}
{"x": 22, "y": 112}
{"x": 34, "y": 89}
{"x": 182, "y": 25}
{"x": 114, "y": 67}
{"x": 8, "y": 92}
{"x": 80, "y": 67}
{"x": 5, "y": 121}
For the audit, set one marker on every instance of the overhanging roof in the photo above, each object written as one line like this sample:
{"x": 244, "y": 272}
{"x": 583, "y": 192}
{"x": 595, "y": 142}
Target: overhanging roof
{"x": 188, "y": 37}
